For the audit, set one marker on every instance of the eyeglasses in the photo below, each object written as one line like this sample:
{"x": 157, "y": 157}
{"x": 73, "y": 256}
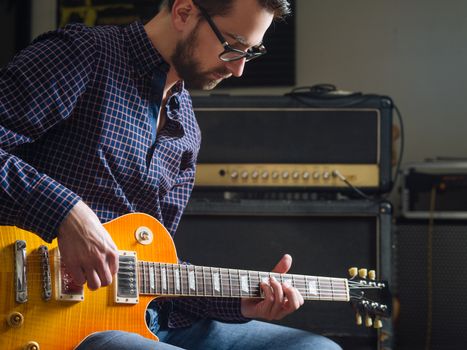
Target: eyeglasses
{"x": 231, "y": 54}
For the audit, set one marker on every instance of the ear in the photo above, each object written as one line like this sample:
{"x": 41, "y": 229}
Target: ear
{"x": 184, "y": 15}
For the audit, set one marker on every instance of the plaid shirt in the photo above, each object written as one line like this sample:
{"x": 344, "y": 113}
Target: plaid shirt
{"x": 75, "y": 123}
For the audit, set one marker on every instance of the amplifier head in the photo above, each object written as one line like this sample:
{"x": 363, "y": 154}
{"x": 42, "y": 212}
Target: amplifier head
{"x": 284, "y": 142}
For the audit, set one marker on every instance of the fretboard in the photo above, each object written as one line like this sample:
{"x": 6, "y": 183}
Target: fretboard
{"x": 202, "y": 281}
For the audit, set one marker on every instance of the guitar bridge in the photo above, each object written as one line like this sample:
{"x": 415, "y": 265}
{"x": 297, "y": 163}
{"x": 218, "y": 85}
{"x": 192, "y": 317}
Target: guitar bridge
{"x": 66, "y": 288}
{"x": 126, "y": 282}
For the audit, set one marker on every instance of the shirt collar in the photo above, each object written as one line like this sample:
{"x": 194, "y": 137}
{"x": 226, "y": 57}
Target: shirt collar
{"x": 145, "y": 56}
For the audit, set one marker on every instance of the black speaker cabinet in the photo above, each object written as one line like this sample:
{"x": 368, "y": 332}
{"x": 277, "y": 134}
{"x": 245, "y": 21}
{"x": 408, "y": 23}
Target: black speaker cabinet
{"x": 324, "y": 238}
{"x": 444, "y": 327}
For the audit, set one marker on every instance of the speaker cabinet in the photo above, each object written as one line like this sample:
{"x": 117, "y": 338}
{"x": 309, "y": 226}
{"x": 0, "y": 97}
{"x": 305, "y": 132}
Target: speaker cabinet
{"x": 324, "y": 238}
{"x": 442, "y": 328}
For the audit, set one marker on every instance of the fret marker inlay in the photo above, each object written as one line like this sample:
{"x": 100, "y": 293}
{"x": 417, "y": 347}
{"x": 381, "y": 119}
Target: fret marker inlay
{"x": 191, "y": 280}
{"x": 312, "y": 288}
{"x": 244, "y": 283}
{"x": 151, "y": 277}
{"x": 164, "y": 278}
{"x": 216, "y": 281}
{"x": 177, "y": 280}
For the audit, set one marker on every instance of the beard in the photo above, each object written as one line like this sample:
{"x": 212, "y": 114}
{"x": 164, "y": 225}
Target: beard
{"x": 189, "y": 68}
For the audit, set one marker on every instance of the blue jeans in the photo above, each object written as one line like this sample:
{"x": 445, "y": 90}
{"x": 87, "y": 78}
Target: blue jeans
{"x": 213, "y": 335}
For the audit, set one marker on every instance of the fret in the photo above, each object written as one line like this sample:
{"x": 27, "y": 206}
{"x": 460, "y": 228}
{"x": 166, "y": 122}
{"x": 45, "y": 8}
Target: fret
{"x": 198, "y": 280}
{"x": 184, "y": 279}
{"x": 256, "y": 283}
{"x": 223, "y": 283}
{"x": 204, "y": 282}
{"x": 250, "y": 287}
{"x": 287, "y": 279}
{"x": 324, "y": 288}
{"x": 332, "y": 288}
{"x": 300, "y": 284}
{"x": 230, "y": 282}
{"x": 170, "y": 280}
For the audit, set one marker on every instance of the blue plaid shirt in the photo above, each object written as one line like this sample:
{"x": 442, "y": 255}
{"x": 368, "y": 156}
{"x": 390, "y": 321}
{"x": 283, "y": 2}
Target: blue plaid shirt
{"x": 76, "y": 122}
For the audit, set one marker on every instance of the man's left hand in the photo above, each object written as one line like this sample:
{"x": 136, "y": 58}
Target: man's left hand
{"x": 280, "y": 299}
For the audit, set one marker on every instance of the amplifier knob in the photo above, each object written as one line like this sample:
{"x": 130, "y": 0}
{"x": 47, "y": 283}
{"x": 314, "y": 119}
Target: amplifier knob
{"x": 275, "y": 175}
{"x": 285, "y": 174}
{"x": 326, "y": 175}
{"x": 245, "y": 174}
{"x": 265, "y": 175}
{"x": 316, "y": 175}
{"x": 295, "y": 175}
{"x": 234, "y": 174}
{"x": 254, "y": 175}
{"x": 306, "y": 175}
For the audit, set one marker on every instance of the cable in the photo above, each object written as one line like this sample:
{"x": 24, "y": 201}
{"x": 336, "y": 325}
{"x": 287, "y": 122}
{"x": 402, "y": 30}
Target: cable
{"x": 338, "y": 174}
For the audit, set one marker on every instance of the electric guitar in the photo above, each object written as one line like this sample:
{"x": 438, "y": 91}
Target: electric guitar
{"x": 41, "y": 307}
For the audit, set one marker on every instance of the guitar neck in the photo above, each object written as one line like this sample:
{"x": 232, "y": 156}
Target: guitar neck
{"x": 201, "y": 281}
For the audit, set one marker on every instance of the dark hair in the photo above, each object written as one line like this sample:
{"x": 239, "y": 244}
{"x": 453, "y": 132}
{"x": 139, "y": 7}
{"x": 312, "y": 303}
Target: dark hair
{"x": 280, "y": 8}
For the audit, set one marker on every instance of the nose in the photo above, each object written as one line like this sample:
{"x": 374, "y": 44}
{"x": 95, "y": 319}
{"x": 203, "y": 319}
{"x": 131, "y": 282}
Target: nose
{"x": 236, "y": 67}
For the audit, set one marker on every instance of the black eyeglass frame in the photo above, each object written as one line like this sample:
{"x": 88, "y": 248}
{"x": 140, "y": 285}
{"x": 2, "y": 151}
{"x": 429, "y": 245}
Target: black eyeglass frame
{"x": 250, "y": 54}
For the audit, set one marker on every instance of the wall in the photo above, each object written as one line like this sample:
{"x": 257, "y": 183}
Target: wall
{"x": 413, "y": 51}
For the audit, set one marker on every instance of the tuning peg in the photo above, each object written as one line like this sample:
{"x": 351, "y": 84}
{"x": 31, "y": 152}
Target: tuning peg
{"x": 353, "y": 271}
{"x": 362, "y": 273}
{"x": 358, "y": 319}
{"x": 372, "y": 275}
{"x": 368, "y": 321}
{"x": 378, "y": 323}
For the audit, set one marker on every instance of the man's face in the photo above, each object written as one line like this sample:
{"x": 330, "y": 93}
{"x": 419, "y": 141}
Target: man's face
{"x": 189, "y": 67}
{"x": 196, "y": 57}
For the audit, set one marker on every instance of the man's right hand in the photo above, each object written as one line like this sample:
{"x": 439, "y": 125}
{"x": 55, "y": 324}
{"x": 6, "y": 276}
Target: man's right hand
{"x": 86, "y": 248}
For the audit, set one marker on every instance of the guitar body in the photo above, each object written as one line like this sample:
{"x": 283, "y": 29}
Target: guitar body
{"x": 58, "y": 324}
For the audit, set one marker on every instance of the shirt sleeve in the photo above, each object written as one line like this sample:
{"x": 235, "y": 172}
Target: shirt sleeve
{"x": 39, "y": 88}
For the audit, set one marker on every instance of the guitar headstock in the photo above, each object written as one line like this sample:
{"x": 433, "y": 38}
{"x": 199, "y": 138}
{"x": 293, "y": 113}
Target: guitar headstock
{"x": 369, "y": 297}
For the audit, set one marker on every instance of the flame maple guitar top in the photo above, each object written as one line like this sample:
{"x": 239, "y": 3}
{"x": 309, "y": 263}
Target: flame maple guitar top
{"x": 56, "y": 324}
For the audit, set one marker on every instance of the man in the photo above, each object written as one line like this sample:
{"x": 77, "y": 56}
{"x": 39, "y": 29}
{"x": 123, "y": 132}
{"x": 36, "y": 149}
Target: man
{"x": 96, "y": 123}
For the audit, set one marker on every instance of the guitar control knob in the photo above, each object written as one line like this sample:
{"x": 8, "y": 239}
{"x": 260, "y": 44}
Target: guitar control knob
{"x": 285, "y": 174}
{"x": 306, "y": 175}
{"x": 254, "y": 175}
{"x": 265, "y": 175}
{"x": 245, "y": 174}
{"x": 295, "y": 175}
{"x": 234, "y": 174}
{"x": 316, "y": 175}
{"x": 275, "y": 175}
{"x": 32, "y": 345}
{"x": 326, "y": 175}
{"x": 15, "y": 319}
